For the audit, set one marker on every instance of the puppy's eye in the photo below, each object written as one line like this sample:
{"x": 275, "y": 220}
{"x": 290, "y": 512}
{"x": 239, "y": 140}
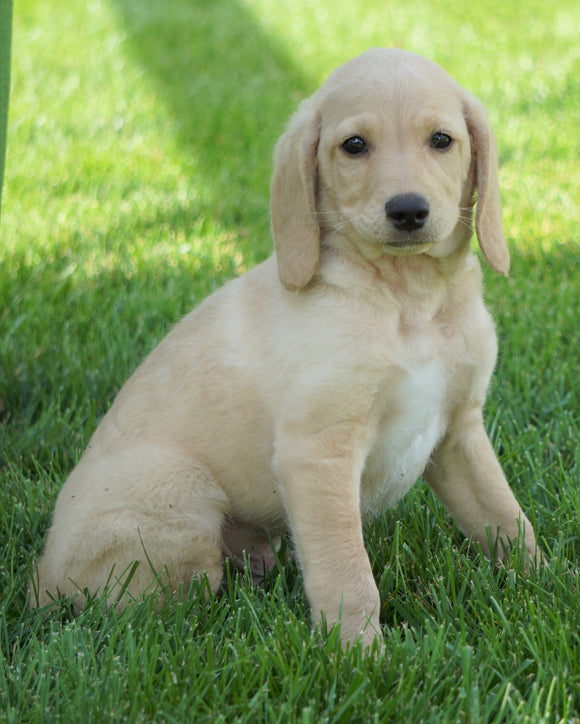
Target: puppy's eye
{"x": 355, "y": 146}
{"x": 441, "y": 141}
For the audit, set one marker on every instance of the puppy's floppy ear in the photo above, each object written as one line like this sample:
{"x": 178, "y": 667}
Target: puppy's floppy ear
{"x": 488, "y": 225}
{"x": 293, "y": 199}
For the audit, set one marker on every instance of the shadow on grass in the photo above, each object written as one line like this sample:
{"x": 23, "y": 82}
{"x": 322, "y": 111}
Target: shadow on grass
{"x": 230, "y": 89}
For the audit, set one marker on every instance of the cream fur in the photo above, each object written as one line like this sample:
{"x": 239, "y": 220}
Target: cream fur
{"x": 311, "y": 392}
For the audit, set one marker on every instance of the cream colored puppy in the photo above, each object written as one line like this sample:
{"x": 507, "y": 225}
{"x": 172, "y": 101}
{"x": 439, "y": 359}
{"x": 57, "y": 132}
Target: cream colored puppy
{"x": 312, "y": 392}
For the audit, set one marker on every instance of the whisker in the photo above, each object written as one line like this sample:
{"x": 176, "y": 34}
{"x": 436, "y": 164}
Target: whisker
{"x": 336, "y": 220}
{"x": 466, "y": 221}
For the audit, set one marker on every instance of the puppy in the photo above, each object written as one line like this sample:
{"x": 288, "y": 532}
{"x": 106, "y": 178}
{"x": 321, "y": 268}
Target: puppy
{"x": 311, "y": 393}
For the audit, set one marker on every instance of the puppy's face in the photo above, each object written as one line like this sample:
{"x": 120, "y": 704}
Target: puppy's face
{"x": 387, "y": 155}
{"x": 394, "y": 158}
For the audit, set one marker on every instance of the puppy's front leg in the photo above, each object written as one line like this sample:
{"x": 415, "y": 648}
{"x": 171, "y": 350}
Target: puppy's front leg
{"x": 319, "y": 476}
{"x": 466, "y": 476}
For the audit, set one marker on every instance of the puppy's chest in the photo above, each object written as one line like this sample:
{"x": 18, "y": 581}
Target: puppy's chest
{"x": 411, "y": 421}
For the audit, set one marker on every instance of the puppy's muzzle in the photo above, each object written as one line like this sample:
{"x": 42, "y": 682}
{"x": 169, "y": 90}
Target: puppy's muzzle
{"x": 407, "y": 212}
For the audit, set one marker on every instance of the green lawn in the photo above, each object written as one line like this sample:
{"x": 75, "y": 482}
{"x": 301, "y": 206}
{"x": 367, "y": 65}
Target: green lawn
{"x": 137, "y": 172}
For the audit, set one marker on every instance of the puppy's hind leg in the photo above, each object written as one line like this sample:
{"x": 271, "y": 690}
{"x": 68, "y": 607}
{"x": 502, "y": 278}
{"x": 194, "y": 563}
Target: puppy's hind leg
{"x": 145, "y": 503}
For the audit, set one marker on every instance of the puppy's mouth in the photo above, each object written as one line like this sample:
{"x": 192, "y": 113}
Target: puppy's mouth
{"x": 410, "y": 243}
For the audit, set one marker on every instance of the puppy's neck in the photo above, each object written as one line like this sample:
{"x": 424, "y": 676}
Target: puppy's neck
{"x": 417, "y": 283}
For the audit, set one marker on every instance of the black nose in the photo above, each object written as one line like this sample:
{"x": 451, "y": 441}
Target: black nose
{"x": 407, "y": 212}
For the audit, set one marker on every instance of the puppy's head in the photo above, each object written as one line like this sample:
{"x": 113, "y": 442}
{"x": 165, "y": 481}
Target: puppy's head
{"x": 388, "y": 154}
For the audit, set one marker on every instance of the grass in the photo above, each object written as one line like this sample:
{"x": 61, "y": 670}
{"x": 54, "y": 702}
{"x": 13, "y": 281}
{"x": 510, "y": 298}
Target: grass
{"x": 137, "y": 176}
